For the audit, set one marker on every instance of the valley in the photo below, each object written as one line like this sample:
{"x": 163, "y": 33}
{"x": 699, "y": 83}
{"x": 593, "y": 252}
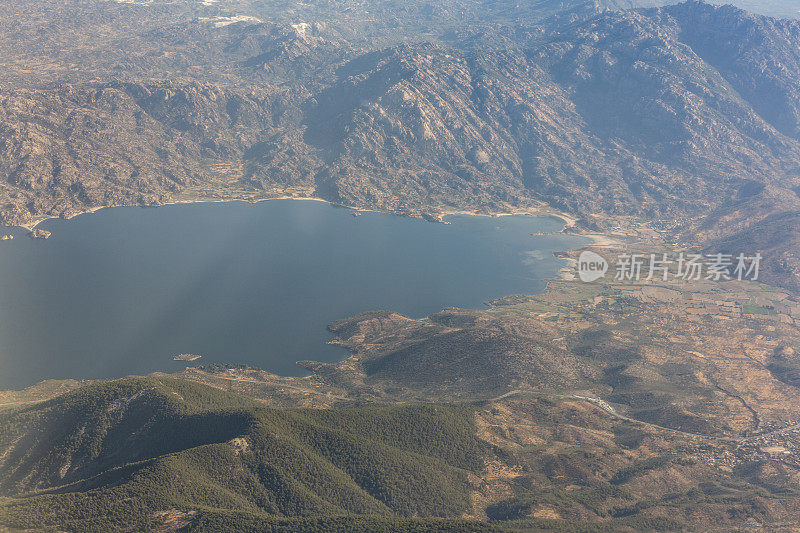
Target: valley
{"x": 468, "y": 380}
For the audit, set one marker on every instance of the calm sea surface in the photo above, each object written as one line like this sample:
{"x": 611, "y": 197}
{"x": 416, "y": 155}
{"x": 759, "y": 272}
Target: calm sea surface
{"x": 123, "y": 290}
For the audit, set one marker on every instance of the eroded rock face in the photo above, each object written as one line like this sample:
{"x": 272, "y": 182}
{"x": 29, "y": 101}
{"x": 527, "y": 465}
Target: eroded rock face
{"x": 78, "y": 148}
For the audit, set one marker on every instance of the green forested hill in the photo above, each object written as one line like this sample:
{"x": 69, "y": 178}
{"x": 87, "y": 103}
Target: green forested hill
{"x": 130, "y": 452}
{"x": 166, "y": 454}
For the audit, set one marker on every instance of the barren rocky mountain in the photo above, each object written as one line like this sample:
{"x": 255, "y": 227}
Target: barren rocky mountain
{"x": 647, "y": 112}
{"x": 618, "y": 405}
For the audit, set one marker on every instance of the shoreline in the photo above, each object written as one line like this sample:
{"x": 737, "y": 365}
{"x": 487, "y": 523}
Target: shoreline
{"x": 596, "y": 239}
{"x": 434, "y": 216}
{"x": 30, "y": 226}
{"x": 532, "y": 211}
{"x": 559, "y": 274}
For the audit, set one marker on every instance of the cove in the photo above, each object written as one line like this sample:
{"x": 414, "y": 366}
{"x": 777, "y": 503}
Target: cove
{"x": 122, "y": 290}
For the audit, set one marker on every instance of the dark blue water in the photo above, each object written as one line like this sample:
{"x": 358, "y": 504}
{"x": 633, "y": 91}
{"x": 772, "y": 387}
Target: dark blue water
{"x": 123, "y": 290}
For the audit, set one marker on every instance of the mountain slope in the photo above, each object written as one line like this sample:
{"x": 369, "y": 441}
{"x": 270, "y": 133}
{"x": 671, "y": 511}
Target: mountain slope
{"x": 457, "y": 354}
{"x": 102, "y": 454}
{"x": 758, "y": 56}
{"x": 647, "y": 113}
{"x": 166, "y": 454}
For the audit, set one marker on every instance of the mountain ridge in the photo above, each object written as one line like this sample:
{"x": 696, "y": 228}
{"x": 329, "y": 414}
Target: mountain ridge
{"x": 611, "y": 112}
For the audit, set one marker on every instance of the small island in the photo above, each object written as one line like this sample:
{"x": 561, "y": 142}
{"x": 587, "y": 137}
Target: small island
{"x": 6, "y": 237}
{"x": 434, "y": 217}
{"x": 39, "y": 234}
{"x": 186, "y": 357}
